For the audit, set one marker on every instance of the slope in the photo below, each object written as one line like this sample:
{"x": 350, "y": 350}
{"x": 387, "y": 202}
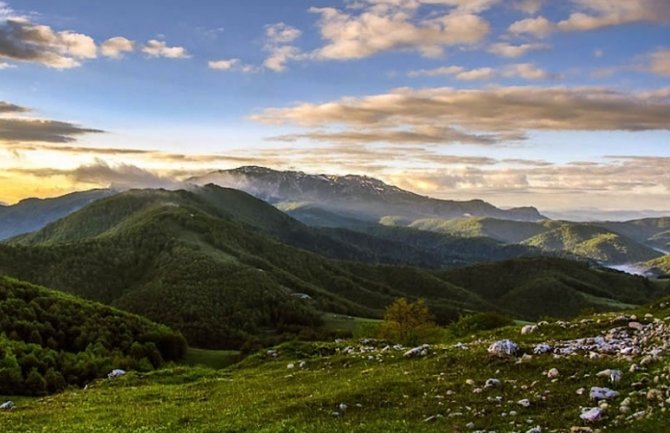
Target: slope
{"x": 49, "y": 340}
{"x": 33, "y": 214}
{"x": 537, "y": 287}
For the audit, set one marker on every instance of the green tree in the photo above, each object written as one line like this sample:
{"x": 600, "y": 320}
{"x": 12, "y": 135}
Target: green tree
{"x": 35, "y": 383}
{"x": 409, "y": 322}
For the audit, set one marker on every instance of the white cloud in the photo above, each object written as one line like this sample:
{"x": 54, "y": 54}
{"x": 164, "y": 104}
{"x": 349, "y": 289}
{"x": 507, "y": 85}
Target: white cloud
{"x": 538, "y": 26}
{"x": 394, "y": 25}
{"x": 231, "y": 65}
{"x": 116, "y": 47}
{"x": 23, "y": 40}
{"x": 504, "y": 49}
{"x": 486, "y": 116}
{"x": 531, "y": 7}
{"x": 660, "y": 62}
{"x": 4, "y": 65}
{"x": 527, "y": 71}
{"x": 156, "y": 48}
{"x": 281, "y": 33}
{"x": 594, "y": 14}
{"x": 278, "y": 43}
{"x": 457, "y": 72}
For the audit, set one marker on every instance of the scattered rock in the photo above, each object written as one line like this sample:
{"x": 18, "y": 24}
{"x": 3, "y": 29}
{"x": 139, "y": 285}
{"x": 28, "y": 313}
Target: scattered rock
{"x": 417, "y": 351}
{"x": 115, "y": 373}
{"x": 542, "y": 348}
{"x": 598, "y": 393}
{"x": 504, "y": 348}
{"x": 592, "y": 414}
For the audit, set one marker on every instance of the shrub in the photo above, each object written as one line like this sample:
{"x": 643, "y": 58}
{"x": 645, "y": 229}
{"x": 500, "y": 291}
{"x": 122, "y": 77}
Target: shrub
{"x": 409, "y": 323}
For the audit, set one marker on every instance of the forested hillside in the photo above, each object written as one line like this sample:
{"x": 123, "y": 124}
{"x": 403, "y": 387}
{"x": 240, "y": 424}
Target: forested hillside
{"x": 49, "y": 340}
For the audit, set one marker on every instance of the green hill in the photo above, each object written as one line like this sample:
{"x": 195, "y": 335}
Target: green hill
{"x": 593, "y": 242}
{"x": 49, "y": 340}
{"x": 536, "y": 287}
{"x": 502, "y": 230}
{"x": 224, "y": 268}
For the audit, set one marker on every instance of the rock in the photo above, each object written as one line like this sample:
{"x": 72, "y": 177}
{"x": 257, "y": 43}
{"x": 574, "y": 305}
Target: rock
{"x": 470, "y": 382}
{"x": 598, "y": 393}
{"x": 528, "y": 329}
{"x": 524, "y": 403}
{"x": 470, "y": 426}
{"x": 636, "y": 325}
{"x": 581, "y": 430}
{"x": 8, "y": 405}
{"x": 655, "y": 395}
{"x": 417, "y": 351}
{"x": 542, "y": 348}
{"x": 504, "y": 348}
{"x": 115, "y": 373}
{"x": 613, "y": 375}
{"x": 553, "y": 373}
{"x": 493, "y": 383}
{"x": 591, "y": 415}
{"x": 433, "y": 418}
{"x": 536, "y": 429}
{"x": 290, "y": 366}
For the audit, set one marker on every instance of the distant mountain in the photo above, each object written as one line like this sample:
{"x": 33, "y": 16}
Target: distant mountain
{"x": 609, "y": 243}
{"x": 594, "y": 215}
{"x": 358, "y": 197}
{"x": 216, "y": 264}
{"x": 654, "y": 232}
{"x": 33, "y": 214}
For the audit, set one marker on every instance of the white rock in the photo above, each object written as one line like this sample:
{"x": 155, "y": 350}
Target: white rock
{"x": 290, "y": 366}
{"x": 598, "y": 393}
{"x": 528, "y": 329}
{"x": 524, "y": 403}
{"x": 591, "y": 415}
{"x": 492, "y": 383}
{"x": 115, "y": 373}
{"x": 553, "y": 373}
{"x": 541, "y": 349}
{"x": 504, "y": 348}
{"x": 536, "y": 429}
{"x": 8, "y": 405}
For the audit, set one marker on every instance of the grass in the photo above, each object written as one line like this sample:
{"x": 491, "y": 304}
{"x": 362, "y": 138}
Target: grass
{"x": 214, "y": 359}
{"x": 383, "y": 391}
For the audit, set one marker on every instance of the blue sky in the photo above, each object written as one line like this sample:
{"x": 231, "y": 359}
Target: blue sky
{"x": 314, "y": 85}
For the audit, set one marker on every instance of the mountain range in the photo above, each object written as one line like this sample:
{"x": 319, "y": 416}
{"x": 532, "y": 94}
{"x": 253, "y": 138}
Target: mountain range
{"x": 227, "y": 269}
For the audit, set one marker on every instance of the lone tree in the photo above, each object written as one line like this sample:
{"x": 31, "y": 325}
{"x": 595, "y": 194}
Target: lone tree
{"x": 408, "y": 322}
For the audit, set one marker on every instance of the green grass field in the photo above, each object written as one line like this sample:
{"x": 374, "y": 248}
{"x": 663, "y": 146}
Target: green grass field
{"x": 383, "y": 391}
{"x": 214, "y": 359}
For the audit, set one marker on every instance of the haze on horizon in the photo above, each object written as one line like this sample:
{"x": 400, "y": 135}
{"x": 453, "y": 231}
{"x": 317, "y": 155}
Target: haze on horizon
{"x": 555, "y": 104}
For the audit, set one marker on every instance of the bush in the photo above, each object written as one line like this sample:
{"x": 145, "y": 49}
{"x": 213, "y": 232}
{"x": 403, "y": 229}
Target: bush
{"x": 409, "y": 323}
{"x": 470, "y": 324}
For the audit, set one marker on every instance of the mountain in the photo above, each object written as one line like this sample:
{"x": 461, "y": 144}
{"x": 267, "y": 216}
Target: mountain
{"x": 206, "y": 262}
{"x": 33, "y": 214}
{"x": 606, "y": 243}
{"x": 654, "y": 232}
{"x": 49, "y": 340}
{"x": 358, "y": 197}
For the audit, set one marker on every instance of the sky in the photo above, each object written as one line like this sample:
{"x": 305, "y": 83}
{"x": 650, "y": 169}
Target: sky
{"x": 556, "y": 104}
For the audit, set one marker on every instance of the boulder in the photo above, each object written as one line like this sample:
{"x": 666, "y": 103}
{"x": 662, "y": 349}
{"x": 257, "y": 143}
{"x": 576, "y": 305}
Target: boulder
{"x": 504, "y": 348}
{"x": 8, "y": 405}
{"x": 598, "y": 393}
{"x": 591, "y": 414}
{"x": 116, "y": 373}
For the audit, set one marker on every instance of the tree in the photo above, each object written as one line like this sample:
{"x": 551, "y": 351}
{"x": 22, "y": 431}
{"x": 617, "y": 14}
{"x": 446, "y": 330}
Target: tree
{"x": 35, "y": 383}
{"x": 408, "y": 322}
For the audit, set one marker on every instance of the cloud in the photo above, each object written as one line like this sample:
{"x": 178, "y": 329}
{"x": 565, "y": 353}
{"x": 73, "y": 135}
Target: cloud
{"x": 232, "y": 65}
{"x": 116, "y": 47}
{"x": 594, "y": 14}
{"x": 538, "y": 26}
{"x": 531, "y": 7}
{"x": 380, "y": 26}
{"x": 5, "y": 65}
{"x": 504, "y": 49}
{"x": 23, "y": 40}
{"x": 497, "y": 114}
{"x": 6, "y": 107}
{"x": 457, "y": 72}
{"x": 279, "y": 40}
{"x": 527, "y": 71}
{"x": 660, "y": 62}
{"x": 156, "y": 48}
{"x": 122, "y": 176}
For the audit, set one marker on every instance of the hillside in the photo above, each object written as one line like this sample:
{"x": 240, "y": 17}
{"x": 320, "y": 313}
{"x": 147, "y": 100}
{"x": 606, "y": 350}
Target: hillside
{"x": 49, "y": 340}
{"x": 537, "y": 287}
{"x": 33, "y": 214}
{"x": 372, "y": 386}
{"x": 357, "y": 197}
{"x": 592, "y": 241}
{"x": 194, "y": 261}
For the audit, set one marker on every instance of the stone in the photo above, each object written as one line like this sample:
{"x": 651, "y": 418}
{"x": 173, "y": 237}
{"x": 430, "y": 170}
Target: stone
{"x": 528, "y": 329}
{"x": 542, "y": 348}
{"x": 598, "y": 393}
{"x": 417, "y": 351}
{"x": 581, "y": 430}
{"x": 636, "y": 325}
{"x": 553, "y": 373}
{"x": 8, "y": 405}
{"x": 536, "y": 429}
{"x": 115, "y": 373}
{"x": 524, "y": 403}
{"x": 655, "y": 395}
{"x": 504, "y": 348}
{"x": 493, "y": 383}
{"x": 591, "y": 414}
{"x": 613, "y": 375}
